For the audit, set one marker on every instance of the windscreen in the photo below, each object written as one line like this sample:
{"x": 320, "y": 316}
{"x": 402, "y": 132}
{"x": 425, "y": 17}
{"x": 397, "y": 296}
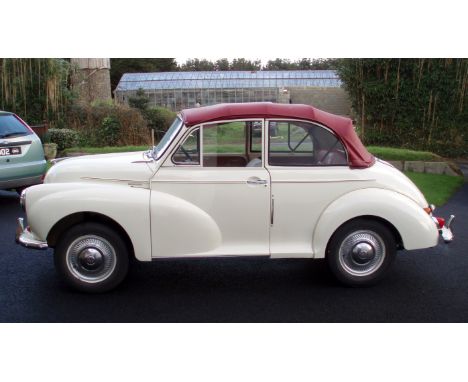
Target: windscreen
{"x": 167, "y": 138}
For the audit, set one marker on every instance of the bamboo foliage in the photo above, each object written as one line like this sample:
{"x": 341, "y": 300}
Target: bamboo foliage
{"x": 418, "y": 103}
{"x": 36, "y": 88}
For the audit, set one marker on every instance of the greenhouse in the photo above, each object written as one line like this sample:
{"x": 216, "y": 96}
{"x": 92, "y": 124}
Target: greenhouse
{"x": 179, "y": 90}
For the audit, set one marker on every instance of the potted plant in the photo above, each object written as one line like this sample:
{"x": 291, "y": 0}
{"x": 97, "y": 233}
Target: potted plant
{"x": 50, "y": 149}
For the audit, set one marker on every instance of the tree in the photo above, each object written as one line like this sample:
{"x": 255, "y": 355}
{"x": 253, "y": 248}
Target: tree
{"x": 243, "y": 64}
{"x": 119, "y": 66}
{"x": 157, "y": 118}
{"x": 280, "y": 64}
{"x": 222, "y": 64}
{"x": 35, "y": 88}
{"x": 316, "y": 64}
{"x": 301, "y": 64}
{"x": 140, "y": 101}
{"x": 419, "y": 103}
{"x": 196, "y": 65}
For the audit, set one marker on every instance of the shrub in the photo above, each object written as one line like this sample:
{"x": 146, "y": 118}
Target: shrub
{"x": 104, "y": 123}
{"x": 139, "y": 101}
{"x": 134, "y": 131}
{"x": 109, "y": 131}
{"x": 64, "y": 138}
{"x": 159, "y": 119}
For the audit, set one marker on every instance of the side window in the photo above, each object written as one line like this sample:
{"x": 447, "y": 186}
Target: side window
{"x": 293, "y": 143}
{"x": 255, "y": 128}
{"x": 188, "y": 152}
{"x": 225, "y": 144}
{"x": 290, "y": 137}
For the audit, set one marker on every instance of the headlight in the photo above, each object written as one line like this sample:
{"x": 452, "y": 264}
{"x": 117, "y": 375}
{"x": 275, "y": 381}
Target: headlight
{"x": 23, "y": 200}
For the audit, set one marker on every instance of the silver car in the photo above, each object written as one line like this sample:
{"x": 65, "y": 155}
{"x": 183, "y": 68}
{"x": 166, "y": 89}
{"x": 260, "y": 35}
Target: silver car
{"x": 22, "y": 161}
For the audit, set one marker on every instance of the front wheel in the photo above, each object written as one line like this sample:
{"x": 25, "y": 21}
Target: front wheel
{"x": 91, "y": 257}
{"x": 360, "y": 252}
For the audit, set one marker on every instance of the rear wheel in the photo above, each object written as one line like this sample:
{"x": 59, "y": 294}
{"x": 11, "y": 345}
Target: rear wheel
{"x": 361, "y": 251}
{"x": 91, "y": 257}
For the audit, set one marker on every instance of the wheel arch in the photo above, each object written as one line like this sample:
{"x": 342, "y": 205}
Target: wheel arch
{"x": 410, "y": 224}
{"x": 87, "y": 216}
{"x": 384, "y": 222}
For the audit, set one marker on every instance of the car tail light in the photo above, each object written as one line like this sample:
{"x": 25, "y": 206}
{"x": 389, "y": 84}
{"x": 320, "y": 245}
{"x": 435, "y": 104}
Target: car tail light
{"x": 440, "y": 221}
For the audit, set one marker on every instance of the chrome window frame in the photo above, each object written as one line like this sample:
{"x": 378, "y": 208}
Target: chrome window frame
{"x": 160, "y": 154}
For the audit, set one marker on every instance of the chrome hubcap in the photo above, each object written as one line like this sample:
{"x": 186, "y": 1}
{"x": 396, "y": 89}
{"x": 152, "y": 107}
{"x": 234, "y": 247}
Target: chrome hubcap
{"x": 91, "y": 258}
{"x": 362, "y": 252}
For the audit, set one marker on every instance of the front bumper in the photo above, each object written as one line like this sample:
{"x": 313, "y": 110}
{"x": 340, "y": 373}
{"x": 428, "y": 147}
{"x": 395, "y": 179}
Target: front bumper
{"x": 26, "y": 238}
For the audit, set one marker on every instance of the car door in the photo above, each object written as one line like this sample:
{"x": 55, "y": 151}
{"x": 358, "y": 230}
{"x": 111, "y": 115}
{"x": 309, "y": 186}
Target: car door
{"x": 211, "y": 196}
{"x": 308, "y": 168}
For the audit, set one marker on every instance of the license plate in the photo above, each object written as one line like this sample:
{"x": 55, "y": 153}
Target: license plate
{"x": 5, "y": 151}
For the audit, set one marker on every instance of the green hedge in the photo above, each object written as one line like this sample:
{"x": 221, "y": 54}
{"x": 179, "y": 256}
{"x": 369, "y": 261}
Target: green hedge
{"x": 411, "y": 103}
{"x": 64, "y": 138}
{"x": 108, "y": 124}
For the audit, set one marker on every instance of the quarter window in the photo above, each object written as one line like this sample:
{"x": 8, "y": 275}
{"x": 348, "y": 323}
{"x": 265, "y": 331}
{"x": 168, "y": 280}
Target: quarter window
{"x": 294, "y": 143}
{"x": 188, "y": 152}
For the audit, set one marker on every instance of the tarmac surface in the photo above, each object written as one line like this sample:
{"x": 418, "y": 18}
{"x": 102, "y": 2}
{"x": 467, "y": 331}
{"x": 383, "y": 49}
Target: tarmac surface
{"x": 423, "y": 286}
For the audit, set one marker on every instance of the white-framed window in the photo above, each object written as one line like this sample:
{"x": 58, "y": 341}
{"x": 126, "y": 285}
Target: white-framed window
{"x": 188, "y": 153}
{"x": 236, "y": 143}
{"x": 298, "y": 143}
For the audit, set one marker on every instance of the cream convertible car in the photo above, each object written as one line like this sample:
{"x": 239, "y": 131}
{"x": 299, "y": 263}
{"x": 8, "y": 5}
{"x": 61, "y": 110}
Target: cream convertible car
{"x": 255, "y": 179}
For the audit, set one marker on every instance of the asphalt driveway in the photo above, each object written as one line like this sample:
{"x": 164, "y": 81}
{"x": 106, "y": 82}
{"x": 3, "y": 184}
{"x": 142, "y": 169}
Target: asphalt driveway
{"x": 429, "y": 285}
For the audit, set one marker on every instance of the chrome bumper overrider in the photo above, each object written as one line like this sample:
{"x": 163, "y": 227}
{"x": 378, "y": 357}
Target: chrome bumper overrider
{"x": 26, "y": 238}
{"x": 446, "y": 231}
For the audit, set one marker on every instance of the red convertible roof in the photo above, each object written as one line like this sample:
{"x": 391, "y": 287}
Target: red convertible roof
{"x": 343, "y": 127}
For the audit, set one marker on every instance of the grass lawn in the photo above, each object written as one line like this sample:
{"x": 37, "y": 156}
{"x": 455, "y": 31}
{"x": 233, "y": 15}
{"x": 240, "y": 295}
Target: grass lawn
{"x": 436, "y": 188}
{"x": 391, "y": 153}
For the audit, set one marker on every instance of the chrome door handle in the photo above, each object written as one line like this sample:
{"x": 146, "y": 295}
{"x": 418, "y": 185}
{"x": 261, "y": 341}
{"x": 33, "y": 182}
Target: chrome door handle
{"x": 256, "y": 181}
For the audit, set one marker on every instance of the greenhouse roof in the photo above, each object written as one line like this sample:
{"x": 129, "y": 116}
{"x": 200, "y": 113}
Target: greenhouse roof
{"x": 229, "y": 79}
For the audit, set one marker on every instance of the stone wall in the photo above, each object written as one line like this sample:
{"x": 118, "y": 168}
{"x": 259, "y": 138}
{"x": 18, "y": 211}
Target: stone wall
{"x": 443, "y": 168}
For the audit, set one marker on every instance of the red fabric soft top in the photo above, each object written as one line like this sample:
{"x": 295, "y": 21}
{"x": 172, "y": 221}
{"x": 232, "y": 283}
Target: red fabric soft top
{"x": 358, "y": 155}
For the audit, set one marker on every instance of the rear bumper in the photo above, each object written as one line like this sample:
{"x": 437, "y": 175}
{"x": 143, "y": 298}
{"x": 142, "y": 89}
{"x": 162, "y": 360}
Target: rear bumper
{"x": 445, "y": 231}
{"x": 26, "y": 238}
{"x": 22, "y": 182}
